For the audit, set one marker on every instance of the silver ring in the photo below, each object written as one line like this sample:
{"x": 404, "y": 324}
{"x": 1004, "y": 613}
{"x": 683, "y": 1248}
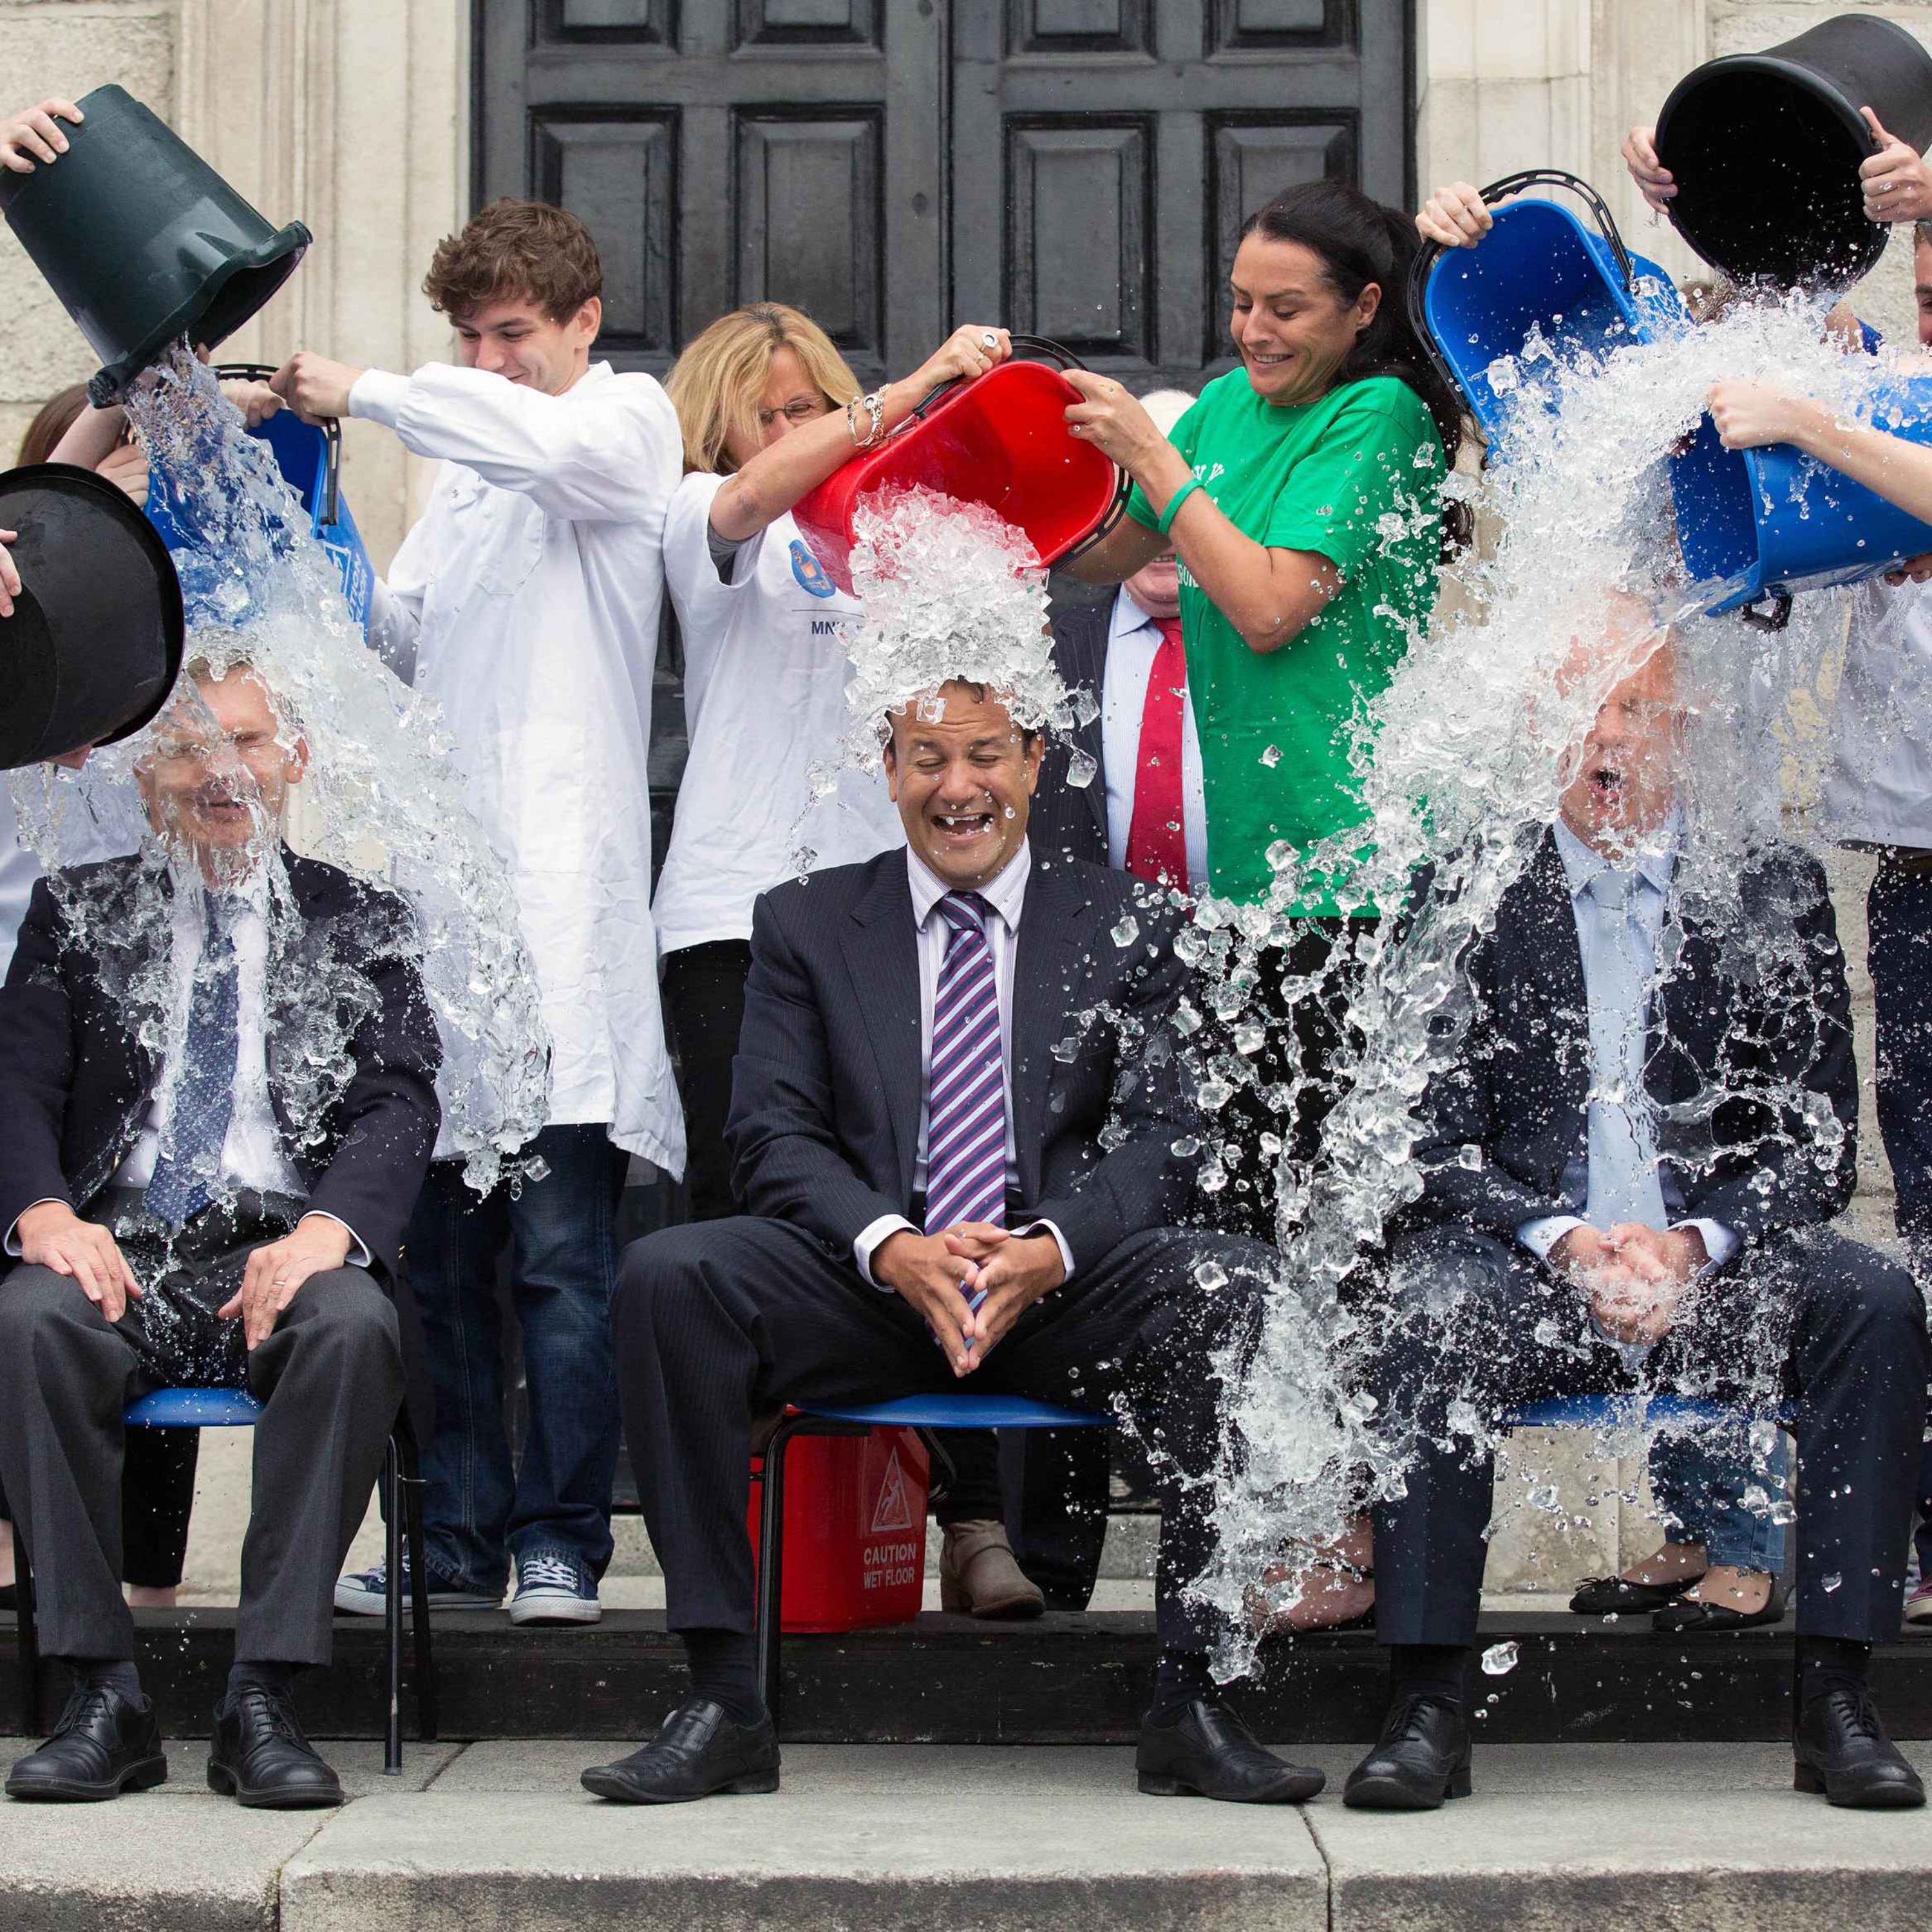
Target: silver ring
{"x": 989, "y": 340}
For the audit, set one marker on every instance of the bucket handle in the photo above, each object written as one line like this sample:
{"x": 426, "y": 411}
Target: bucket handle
{"x": 332, "y": 435}
{"x": 1046, "y": 349}
{"x": 1426, "y": 256}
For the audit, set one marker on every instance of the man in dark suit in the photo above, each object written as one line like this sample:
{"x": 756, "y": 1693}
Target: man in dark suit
{"x": 954, "y": 1114}
{"x": 1628, "y": 1172}
{"x": 222, "y": 1210}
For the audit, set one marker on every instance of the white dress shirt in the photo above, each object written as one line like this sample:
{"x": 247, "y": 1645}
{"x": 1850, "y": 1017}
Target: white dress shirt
{"x": 1654, "y": 866}
{"x": 1132, "y": 644}
{"x": 1006, "y": 895}
{"x": 526, "y": 601}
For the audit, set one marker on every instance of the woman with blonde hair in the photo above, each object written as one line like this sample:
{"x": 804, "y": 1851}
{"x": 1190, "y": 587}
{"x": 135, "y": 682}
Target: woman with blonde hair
{"x": 769, "y": 410}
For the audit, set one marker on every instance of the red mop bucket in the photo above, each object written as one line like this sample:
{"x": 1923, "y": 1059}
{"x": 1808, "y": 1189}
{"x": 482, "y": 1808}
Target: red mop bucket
{"x": 1000, "y": 439}
{"x": 854, "y": 1529}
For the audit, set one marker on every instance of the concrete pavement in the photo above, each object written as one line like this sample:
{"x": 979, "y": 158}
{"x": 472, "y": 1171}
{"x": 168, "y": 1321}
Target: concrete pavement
{"x": 499, "y": 1838}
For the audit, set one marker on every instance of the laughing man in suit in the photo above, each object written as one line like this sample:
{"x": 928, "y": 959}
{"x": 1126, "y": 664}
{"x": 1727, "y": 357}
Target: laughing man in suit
{"x": 958, "y": 1078}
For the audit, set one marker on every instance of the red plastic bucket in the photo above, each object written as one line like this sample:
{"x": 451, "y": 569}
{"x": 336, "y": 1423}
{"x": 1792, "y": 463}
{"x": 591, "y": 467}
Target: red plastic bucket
{"x": 854, "y": 1529}
{"x": 1000, "y": 439}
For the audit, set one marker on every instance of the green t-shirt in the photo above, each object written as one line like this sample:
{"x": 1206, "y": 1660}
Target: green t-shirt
{"x": 1354, "y": 475}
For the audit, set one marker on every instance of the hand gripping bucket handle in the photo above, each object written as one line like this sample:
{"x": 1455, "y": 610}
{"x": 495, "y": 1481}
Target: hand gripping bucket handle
{"x": 1045, "y": 349}
{"x": 332, "y": 435}
{"x": 1426, "y": 256}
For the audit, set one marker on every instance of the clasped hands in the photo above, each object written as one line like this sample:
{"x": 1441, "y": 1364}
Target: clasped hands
{"x": 1634, "y": 1277}
{"x": 940, "y": 1274}
{"x": 52, "y": 1235}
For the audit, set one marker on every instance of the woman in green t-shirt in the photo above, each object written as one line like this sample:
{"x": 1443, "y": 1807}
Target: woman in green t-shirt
{"x": 1302, "y": 493}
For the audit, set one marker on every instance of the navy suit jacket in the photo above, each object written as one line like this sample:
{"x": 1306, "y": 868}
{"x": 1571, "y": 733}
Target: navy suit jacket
{"x": 76, "y": 1082}
{"x": 1742, "y": 1070}
{"x": 827, "y": 1088}
{"x": 1070, "y": 821}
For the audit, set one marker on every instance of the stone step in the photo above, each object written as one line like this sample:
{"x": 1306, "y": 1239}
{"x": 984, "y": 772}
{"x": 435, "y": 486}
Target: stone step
{"x": 1063, "y": 1679}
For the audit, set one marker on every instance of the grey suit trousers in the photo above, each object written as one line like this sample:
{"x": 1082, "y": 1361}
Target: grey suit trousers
{"x": 331, "y": 1376}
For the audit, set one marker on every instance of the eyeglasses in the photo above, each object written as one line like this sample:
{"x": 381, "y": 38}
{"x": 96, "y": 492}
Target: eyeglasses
{"x": 800, "y": 409}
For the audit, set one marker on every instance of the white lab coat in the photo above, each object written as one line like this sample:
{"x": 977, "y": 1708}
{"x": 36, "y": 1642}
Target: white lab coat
{"x": 530, "y": 590}
{"x": 1879, "y": 791}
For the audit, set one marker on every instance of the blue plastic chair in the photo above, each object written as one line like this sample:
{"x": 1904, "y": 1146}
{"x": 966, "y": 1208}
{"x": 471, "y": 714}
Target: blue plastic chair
{"x": 1607, "y": 1411}
{"x": 402, "y": 1507}
{"x": 924, "y": 1413}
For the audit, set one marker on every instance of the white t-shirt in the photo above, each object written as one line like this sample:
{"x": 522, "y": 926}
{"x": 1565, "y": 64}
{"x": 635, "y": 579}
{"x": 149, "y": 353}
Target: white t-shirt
{"x": 1879, "y": 791}
{"x": 765, "y": 673}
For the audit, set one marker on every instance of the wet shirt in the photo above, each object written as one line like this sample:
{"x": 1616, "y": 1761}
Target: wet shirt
{"x": 1353, "y": 476}
{"x": 531, "y": 590}
{"x": 765, "y": 671}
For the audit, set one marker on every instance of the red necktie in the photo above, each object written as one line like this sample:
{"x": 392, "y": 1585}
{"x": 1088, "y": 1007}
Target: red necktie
{"x": 1157, "y": 837}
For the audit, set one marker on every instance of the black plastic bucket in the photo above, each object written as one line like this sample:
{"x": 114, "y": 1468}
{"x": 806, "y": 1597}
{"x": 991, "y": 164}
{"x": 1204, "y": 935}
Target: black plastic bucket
{"x": 1766, "y": 149}
{"x": 95, "y": 643}
{"x": 142, "y": 240}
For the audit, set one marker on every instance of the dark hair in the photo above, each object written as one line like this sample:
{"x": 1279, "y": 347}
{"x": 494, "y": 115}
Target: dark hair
{"x": 52, "y": 420}
{"x": 516, "y": 249}
{"x": 1359, "y": 241}
{"x": 1028, "y": 732}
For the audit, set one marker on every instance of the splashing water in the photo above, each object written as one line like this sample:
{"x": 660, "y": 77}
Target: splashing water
{"x": 1460, "y": 761}
{"x": 385, "y": 802}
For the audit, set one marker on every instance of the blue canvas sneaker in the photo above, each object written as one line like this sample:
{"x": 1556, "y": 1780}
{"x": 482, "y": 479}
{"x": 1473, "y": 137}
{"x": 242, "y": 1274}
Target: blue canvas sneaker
{"x": 554, "y": 1588}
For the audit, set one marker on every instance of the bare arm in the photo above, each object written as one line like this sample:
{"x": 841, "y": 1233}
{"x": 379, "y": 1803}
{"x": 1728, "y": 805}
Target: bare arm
{"x": 779, "y": 475}
{"x": 92, "y": 437}
{"x": 1750, "y": 415}
{"x": 1269, "y": 596}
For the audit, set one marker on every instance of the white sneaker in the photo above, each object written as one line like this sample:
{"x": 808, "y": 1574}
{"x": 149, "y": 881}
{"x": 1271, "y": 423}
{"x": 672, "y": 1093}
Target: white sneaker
{"x": 553, "y": 1588}
{"x": 366, "y": 1594}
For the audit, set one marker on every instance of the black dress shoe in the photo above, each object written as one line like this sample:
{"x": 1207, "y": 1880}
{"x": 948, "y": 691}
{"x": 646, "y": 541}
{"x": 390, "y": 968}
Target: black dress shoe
{"x": 1690, "y": 1616}
{"x": 1617, "y": 1596}
{"x": 1841, "y": 1749}
{"x": 261, "y": 1758}
{"x": 698, "y": 1750}
{"x": 102, "y": 1746}
{"x": 1206, "y": 1751}
{"x": 1421, "y": 1758}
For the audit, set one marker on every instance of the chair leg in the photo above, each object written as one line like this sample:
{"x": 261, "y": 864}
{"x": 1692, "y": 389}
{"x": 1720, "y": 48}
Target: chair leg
{"x": 392, "y": 1612}
{"x": 771, "y": 1566}
{"x": 27, "y": 1640}
{"x": 409, "y": 1474}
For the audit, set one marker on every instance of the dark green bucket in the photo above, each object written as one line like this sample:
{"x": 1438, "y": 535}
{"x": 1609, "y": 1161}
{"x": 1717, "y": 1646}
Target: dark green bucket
{"x": 142, "y": 240}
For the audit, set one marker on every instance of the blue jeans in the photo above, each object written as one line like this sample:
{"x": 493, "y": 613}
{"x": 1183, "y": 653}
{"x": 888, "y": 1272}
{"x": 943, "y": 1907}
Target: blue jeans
{"x": 480, "y": 1511}
{"x": 1699, "y": 1482}
{"x": 1900, "y": 916}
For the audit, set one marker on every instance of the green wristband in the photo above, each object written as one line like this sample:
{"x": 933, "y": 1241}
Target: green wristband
{"x": 1165, "y": 523}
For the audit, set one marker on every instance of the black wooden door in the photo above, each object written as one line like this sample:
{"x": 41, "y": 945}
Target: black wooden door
{"x": 1078, "y": 168}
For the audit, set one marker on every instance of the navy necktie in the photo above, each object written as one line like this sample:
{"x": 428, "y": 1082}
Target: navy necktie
{"x": 188, "y": 1173}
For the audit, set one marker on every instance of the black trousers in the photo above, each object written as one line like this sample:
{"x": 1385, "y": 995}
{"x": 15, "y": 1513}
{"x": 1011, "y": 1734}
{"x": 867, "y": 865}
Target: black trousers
{"x": 718, "y": 1322}
{"x": 703, "y": 994}
{"x": 157, "y": 1500}
{"x": 330, "y": 1377}
{"x": 1842, "y": 1329}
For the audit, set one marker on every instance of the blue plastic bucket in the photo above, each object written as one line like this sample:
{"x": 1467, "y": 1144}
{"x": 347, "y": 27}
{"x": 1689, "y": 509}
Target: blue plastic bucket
{"x": 1771, "y": 522}
{"x": 309, "y": 457}
{"x": 1540, "y": 268}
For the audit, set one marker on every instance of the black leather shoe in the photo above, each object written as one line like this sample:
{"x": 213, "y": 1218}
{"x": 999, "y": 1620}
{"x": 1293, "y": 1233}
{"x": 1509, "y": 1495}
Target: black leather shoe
{"x": 260, "y": 1757}
{"x": 698, "y": 1750}
{"x": 1691, "y": 1616}
{"x": 1206, "y": 1751}
{"x": 101, "y": 1747}
{"x": 1841, "y": 1749}
{"x": 1421, "y": 1758}
{"x": 1617, "y": 1596}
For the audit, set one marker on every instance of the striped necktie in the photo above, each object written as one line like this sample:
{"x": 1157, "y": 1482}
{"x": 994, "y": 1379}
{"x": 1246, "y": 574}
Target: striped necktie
{"x": 188, "y": 1172}
{"x": 966, "y": 1092}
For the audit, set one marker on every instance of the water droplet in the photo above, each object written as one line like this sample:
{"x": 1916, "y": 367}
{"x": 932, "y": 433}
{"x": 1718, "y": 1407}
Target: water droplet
{"x": 1828, "y": 1584}
{"x": 1499, "y": 1659}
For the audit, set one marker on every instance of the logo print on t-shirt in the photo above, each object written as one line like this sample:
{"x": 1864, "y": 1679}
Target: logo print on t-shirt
{"x": 809, "y": 572}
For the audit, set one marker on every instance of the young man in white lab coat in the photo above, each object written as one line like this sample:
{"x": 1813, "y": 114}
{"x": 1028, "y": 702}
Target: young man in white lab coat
{"x": 527, "y": 601}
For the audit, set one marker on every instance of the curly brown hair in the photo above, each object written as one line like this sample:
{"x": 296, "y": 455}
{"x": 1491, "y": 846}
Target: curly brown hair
{"x": 513, "y": 250}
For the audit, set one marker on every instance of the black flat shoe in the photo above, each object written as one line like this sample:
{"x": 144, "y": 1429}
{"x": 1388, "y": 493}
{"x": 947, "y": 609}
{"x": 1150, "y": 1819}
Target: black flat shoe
{"x": 1421, "y": 1758}
{"x": 1616, "y": 1596}
{"x": 1688, "y": 1616}
{"x": 1841, "y": 1749}
{"x": 699, "y": 1751}
{"x": 1206, "y": 1751}
{"x": 101, "y": 1747}
{"x": 260, "y": 1758}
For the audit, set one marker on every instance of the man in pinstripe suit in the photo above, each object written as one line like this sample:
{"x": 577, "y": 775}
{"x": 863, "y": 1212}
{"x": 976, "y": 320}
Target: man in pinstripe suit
{"x": 954, "y": 1113}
